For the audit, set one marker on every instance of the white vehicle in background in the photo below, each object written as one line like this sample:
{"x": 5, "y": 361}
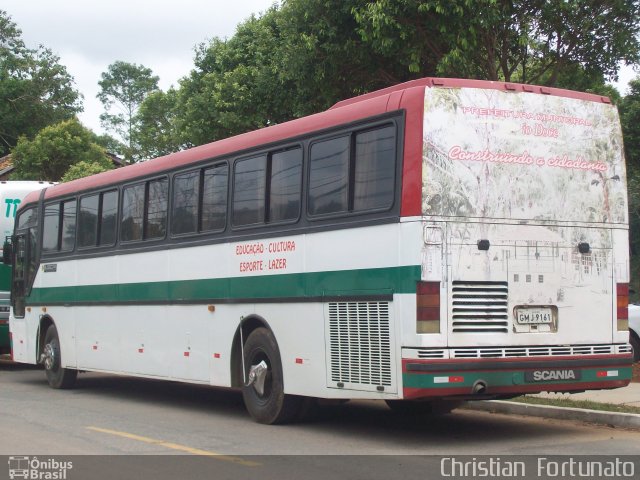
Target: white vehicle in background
{"x": 11, "y": 195}
{"x": 634, "y": 330}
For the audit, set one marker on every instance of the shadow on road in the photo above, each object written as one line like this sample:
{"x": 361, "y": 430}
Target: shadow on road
{"x": 371, "y": 419}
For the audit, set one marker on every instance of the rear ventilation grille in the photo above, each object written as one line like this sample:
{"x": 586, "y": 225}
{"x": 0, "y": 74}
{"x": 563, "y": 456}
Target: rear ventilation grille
{"x": 539, "y": 351}
{"x": 480, "y": 307}
{"x": 360, "y": 345}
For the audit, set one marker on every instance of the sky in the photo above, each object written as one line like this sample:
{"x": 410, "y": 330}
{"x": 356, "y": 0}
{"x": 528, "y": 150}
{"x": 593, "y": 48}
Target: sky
{"x": 159, "y": 34}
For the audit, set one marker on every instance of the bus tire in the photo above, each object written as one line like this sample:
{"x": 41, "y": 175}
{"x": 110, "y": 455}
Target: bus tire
{"x": 57, "y": 376}
{"x": 272, "y": 406}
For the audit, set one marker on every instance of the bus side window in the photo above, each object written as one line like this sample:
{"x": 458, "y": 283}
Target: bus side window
{"x": 375, "y": 166}
{"x": 156, "y": 211}
{"x": 353, "y": 173}
{"x": 97, "y": 219}
{"x": 88, "y": 221}
{"x": 51, "y": 231}
{"x": 108, "y": 216}
{"x": 186, "y": 194}
{"x": 329, "y": 176}
{"x": 144, "y": 210}
{"x": 68, "y": 226}
{"x": 132, "y": 212}
{"x": 285, "y": 185}
{"x": 249, "y": 191}
{"x": 214, "y": 198}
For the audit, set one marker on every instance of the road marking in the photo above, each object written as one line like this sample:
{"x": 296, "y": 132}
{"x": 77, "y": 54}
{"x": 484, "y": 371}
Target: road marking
{"x": 176, "y": 446}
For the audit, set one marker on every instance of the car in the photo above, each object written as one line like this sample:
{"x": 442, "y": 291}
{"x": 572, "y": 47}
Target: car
{"x": 634, "y": 329}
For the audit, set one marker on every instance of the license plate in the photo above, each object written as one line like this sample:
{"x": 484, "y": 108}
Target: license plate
{"x": 534, "y": 315}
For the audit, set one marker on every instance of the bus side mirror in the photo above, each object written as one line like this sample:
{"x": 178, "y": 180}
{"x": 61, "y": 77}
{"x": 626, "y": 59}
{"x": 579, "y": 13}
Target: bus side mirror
{"x": 7, "y": 253}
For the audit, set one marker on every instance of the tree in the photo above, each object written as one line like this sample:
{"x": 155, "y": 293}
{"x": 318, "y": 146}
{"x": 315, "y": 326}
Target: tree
{"x": 123, "y": 87}
{"x": 292, "y": 61}
{"x": 629, "y": 108}
{"x": 630, "y": 120}
{"x": 35, "y": 89}
{"x": 530, "y": 41}
{"x": 234, "y": 86}
{"x": 83, "y": 169}
{"x": 155, "y": 125}
{"x": 54, "y": 150}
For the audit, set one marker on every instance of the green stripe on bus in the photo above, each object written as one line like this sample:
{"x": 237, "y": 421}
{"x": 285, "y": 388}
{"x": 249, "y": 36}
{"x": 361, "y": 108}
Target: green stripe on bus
{"x": 373, "y": 281}
{"x": 504, "y": 379}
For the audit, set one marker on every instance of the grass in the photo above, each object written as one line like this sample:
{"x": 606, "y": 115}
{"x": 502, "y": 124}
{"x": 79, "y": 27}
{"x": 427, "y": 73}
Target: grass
{"x": 586, "y": 404}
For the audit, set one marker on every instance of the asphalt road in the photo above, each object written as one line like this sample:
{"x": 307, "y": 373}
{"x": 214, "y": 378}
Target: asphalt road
{"x": 192, "y": 431}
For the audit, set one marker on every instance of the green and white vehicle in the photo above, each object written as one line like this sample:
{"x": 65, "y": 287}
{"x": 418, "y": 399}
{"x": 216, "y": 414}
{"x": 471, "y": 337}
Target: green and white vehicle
{"x": 11, "y": 195}
{"x": 437, "y": 241}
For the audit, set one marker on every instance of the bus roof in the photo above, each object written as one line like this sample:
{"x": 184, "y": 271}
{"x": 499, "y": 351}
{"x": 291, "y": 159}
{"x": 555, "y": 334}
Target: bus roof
{"x": 343, "y": 112}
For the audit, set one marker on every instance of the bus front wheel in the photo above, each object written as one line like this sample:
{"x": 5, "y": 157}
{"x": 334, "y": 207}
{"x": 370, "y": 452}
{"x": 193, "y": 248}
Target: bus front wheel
{"x": 263, "y": 387}
{"x": 57, "y": 376}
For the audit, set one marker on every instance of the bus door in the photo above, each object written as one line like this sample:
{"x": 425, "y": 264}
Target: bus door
{"x": 23, "y": 270}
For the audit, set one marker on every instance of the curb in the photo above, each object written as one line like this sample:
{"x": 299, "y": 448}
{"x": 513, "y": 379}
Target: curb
{"x": 614, "y": 419}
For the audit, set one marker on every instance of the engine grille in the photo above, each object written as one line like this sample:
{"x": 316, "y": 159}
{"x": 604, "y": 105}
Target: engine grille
{"x": 479, "y": 307}
{"x": 360, "y": 345}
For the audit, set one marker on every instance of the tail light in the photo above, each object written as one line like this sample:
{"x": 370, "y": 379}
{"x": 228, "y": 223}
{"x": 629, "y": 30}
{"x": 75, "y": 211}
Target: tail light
{"x": 622, "y": 292}
{"x": 428, "y": 307}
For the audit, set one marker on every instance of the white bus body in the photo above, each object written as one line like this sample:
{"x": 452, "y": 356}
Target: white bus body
{"x": 499, "y": 266}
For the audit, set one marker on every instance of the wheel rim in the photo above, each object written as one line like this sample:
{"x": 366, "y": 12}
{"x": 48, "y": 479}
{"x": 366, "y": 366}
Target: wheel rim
{"x": 260, "y": 376}
{"x": 49, "y": 355}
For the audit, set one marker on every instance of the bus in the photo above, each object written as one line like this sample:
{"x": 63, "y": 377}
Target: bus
{"x": 438, "y": 241}
{"x": 11, "y": 194}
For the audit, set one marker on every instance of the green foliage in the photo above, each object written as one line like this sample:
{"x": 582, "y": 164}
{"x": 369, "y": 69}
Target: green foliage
{"x": 35, "y": 90}
{"x": 630, "y": 119}
{"x": 305, "y": 55}
{"x": 123, "y": 88}
{"x": 54, "y": 150}
{"x": 290, "y": 62}
{"x": 109, "y": 143}
{"x": 234, "y": 86}
{"x": 83, "y": 169}
{"x": 530, "y": 41}
{"x": 629, "y": 108}
{"x": 155, "y": 130}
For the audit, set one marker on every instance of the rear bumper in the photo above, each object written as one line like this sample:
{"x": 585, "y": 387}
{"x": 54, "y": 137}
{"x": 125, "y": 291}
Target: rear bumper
{"x": 495, "y": 378}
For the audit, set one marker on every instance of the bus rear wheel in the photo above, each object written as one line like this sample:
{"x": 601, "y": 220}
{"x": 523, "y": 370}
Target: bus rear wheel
{"x": 263, "y": 389}
{"x": 57, "y": 376}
